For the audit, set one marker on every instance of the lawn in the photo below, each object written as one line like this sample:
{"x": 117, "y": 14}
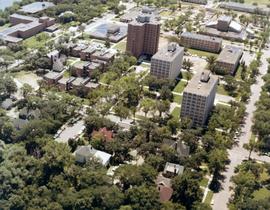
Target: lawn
{"x": 184, "y": 75}
{"x": 261, "y": 194}
{"x": 177, "y": 99}
{"x": 179, "y": 88}
{"x": 165, "y": 14}
{"x": 209, "y": 197}
{"x": 121, "y": 46}
{"x": 4, "y": 26}
{"x": 201, "y": 53}
{"x": 66, "y": 74}
{"x": 204, "y": 182}
{"x": 37, "y": 41}
{"x": 176, "y": 113}
{"x": 221, "y": 90}
{"x": 265, "y": 2}
{"x": 238, "y": 73}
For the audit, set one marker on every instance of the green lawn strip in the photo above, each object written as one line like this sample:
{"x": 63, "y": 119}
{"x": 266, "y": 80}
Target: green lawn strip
{"x": 121, "y": 46}
{"x": 179, "y": 88}
{"x": 209, "y": 197}
{"x": 4, "y": 26}
{"x": 261, "y": 194}
{"x": 221, "y": 90}
{"x": 177, "y": 99}
{"x": 259, "y": 2}
{"x": 238, "y": 73}
{"x": 204, "y": 182}
{"x": 66, "y": 74}
{"x": 36, "y": 41}
{"x": 176, "y": 112}
{"x": 201, "y": 53}
{"x": 184, "y": 75}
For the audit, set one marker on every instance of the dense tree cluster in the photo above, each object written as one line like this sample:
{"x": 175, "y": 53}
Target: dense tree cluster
{"x": 250, "y": 179}
{"x": 261, "y": 126}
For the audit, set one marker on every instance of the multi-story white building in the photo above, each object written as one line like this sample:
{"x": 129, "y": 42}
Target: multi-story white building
{"x": 167, "y": 62}
{"x": 198, "y": 98}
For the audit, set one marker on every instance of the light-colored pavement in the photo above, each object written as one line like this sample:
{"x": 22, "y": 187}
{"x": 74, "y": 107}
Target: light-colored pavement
{"x": 70, "y": 132}
{"x": 238, "y": 153}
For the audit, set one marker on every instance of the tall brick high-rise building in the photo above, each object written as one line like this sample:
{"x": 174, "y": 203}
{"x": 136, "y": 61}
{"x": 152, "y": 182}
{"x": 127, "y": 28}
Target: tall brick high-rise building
{"x": 143, "y": 35}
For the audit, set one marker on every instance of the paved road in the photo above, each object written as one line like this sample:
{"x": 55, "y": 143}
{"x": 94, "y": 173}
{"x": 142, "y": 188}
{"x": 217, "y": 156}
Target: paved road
{"x": 238, "y": 153}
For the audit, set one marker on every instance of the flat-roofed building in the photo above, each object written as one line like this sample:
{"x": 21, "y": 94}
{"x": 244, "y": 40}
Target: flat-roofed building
{"x": 24, "y": 27}
{"x": 167, "y": 62}
{"x": 204, "y": 2}
{"x": 245, "y": 8}
{"x": 225, "y": 27}
{"x": 143, "y": 35}
{"x": 198, "y": 98}
{"x": 52, "y": 77}
{"x": 201, "y": 42}
{"x": 79, "y": 82}
{"x": 84, "y": 68}
{"x": 229, "y": 59}
{"x": 64, "y": 84}
{"x": 86, "y": 53}
{"x": 103, "y": 55}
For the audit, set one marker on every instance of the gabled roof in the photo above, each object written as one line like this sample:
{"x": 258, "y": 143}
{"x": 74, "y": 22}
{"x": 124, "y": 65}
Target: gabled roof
{"x": 88, "y": 152}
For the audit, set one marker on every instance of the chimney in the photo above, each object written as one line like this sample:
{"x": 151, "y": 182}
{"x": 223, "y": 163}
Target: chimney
{"x": 174, "y": 169}
{"x": 175, "y": 145}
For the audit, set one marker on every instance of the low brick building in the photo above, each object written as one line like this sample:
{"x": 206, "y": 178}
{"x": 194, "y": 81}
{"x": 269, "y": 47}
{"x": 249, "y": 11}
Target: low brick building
{"x": 52, "y": 78}
{"x": 228, "y": 60}
{"x": 23, "y": 27}
{"x": 201, "y": 42}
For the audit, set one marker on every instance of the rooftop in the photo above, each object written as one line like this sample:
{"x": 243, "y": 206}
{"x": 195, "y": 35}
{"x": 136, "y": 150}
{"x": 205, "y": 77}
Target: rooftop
{"x": 168, "y": 53}
{"x": 173, "y": 168}
{"x": 64, "y": 80}
{"x": 230, "y": 54}
{"x": 52, "y": 75}
{"x": 80, "y": 81}
{"x": 88, "y": 152}
{"x": 24, "y": 17}
{"x": 81, "y": 64}
{"x": 225, "y": 18}
{"x": 36, "y": 7}
{"x": 197, "y": 86}
{"x": 201, "y": 37}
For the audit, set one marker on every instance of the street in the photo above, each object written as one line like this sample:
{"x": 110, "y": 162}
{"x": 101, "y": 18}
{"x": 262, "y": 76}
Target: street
{"x": 238, "y": 153}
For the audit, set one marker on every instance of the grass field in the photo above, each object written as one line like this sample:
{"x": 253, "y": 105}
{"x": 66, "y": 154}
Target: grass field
{"x": 4, "y": 26}
{"x": 176, "y": 113}
{"x": 204, "y": 182}
{"x": 180, "y": 87}
{"x": 121, "y": 46}
{"x": 36, "y": 42}
{"x": 177, "y": 99}
{"x": 259, "y": 2}
{"x": 209, "y": 197}
{"x": 221, "y": 90}
{"x": 201, "y": 53}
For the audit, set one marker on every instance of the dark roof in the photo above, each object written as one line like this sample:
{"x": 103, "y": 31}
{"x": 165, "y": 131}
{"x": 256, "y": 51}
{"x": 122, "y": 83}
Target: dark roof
{"x": 180, "y": 146}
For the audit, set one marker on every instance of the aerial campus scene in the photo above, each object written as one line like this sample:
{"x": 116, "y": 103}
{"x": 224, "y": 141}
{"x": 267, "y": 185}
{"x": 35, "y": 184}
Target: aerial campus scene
{"x": 134, "y": 105}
